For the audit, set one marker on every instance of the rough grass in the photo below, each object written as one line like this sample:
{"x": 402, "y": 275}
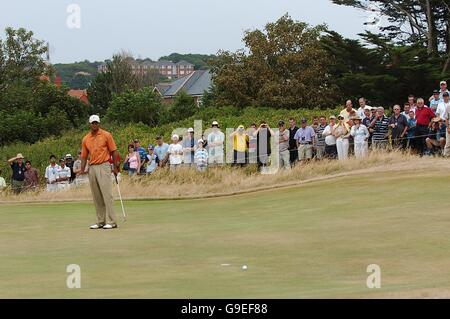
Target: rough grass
{"x": 188, "y": 183}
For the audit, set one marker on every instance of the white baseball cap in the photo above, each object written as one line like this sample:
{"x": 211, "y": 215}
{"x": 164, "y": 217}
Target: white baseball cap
{"x": 175, "y": 137}
{"x": 94, "y": 118}
{"x": 200, "y": 141}
{"x": 443, "y": 82}
{"x": 190, "y": 130}
{"x": 68, "y": 156}
{"x": 215, "y": 123}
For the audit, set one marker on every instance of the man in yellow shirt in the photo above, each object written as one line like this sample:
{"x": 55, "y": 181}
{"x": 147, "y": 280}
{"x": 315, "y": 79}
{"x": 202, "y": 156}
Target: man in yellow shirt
{"x": 240, "y": 146}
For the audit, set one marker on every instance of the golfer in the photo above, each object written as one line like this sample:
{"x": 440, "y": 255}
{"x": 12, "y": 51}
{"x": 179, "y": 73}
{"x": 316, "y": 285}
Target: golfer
{"x": 99, "y": 146}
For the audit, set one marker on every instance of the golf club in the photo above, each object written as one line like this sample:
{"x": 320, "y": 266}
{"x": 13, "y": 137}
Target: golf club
{"x": 121, "y": 201}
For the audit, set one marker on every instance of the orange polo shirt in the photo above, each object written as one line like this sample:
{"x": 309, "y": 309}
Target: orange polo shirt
{"x": 99, "y": 147}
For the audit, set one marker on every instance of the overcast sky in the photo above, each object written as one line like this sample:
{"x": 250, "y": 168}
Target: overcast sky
{"x": 153, "y": 28}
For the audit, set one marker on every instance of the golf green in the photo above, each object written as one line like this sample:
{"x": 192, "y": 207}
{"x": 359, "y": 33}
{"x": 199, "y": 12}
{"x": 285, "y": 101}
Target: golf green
{"x": 310, "y": 241}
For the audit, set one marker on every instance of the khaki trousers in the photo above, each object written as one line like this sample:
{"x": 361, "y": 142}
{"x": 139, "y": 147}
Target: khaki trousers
{"x": 101, "y": 188}
{"x": 285, "y": 159}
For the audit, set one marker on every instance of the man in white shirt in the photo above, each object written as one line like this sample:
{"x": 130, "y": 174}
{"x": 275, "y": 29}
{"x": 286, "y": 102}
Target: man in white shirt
{"x": 63, "y": 175}
{"x": 443, "y": 89}
{"x": 175, "y": 153}
{"x": 330, "y": 139}
{"x": 442, "y": 107}
{"x": 215, "y": 144}
{"x": 51, "y": 174}
{"x": 362, "y": 106}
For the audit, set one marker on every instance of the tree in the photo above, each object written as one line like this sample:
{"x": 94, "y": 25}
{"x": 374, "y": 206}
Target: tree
{"x": 100, "y": 93}
{"x": 183, "y": 106}
{"x": 380, "y": 70}
{"x": 283, "y": 66}
{"x": 412, "y": 21}
{"x": 21, "y": 58}
{"x": 118, "y": 78}
{"x": 133, "y": 107}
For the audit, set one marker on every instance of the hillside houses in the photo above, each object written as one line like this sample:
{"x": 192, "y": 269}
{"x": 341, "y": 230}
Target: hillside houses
{"x": 165, "y": 68}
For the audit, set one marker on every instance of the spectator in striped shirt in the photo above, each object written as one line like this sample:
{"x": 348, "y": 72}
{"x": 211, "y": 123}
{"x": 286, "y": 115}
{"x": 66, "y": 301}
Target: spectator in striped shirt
{"x": 201, "y": 156}
{"x": 380, "y": 125}
{"x": 320, "y": 139}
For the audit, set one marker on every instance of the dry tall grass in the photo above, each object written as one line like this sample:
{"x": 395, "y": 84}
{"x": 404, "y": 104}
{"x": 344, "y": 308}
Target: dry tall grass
{"x": 225, "y": 181}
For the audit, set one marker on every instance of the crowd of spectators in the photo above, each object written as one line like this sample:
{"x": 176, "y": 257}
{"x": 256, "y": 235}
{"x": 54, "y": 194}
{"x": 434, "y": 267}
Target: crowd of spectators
{"x": 416, "y": 127}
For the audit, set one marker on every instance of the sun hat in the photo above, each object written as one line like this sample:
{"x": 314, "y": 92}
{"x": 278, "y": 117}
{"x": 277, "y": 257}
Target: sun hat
{"x": 94, "y": 118}
{"x": 19, "y": 155}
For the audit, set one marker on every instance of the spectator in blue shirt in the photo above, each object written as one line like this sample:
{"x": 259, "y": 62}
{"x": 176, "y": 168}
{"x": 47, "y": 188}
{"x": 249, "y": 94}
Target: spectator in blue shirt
{"x": 162, "y": 151}
{"x": 142, "y": 154}
{"x": 411, "y": 129}
{"x": 152, "y": 160}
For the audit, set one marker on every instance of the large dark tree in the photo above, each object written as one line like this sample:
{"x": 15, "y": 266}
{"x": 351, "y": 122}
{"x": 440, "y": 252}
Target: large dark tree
{"x": 425, "y": 22}
{"x": 282, "y": 66}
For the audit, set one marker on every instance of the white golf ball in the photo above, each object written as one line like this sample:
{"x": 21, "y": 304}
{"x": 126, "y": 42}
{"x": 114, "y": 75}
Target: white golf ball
{"x": 244, "y": 267}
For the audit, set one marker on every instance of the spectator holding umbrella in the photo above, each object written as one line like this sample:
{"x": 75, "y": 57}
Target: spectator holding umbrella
{"x": 18, "y": 173}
